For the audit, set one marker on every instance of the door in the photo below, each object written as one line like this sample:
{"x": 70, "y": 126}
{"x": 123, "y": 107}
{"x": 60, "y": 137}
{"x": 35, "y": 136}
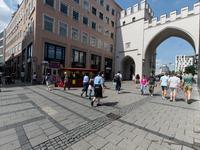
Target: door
{"x": 54, "y": 75}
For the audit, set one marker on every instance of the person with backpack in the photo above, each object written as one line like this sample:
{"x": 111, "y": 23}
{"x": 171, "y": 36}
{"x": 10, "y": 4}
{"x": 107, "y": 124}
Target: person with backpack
{"x": 118, "y": 79}
{"x": 48, "y": 81}
{"x": 91, "y": 85}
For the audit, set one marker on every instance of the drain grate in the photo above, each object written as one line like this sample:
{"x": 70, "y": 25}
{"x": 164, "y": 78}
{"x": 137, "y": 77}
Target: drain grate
{"x": 113, "y": 116}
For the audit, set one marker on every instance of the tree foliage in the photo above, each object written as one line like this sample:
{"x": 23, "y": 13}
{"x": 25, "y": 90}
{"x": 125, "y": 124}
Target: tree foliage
{"x": 190, "y": 69}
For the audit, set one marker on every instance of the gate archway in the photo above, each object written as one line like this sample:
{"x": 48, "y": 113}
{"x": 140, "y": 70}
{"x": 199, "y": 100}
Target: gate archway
{"x": 128, "y": 68}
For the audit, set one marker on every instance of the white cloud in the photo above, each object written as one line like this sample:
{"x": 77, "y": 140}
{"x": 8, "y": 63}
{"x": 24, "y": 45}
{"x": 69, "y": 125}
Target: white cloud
{"x": 5, "y": 15}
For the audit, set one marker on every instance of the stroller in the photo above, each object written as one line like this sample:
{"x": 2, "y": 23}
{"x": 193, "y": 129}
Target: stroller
{"x": 9, "y": 80}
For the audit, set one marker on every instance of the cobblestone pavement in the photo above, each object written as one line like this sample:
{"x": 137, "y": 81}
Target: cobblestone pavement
{"x": 33, "y": 118}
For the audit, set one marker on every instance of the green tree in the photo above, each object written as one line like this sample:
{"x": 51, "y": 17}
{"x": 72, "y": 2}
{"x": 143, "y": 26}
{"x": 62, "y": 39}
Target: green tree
{"x": 190, "y": 69}
{"x": 172, "y": 72}
{"x": 180, "y": 72}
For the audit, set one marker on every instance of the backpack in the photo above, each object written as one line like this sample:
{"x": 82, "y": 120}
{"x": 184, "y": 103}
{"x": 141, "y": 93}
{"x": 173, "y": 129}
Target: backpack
{"x": 117, "y": 78}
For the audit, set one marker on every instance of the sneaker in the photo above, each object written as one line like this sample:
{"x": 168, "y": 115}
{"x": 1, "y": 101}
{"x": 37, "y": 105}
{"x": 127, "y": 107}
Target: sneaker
{"x": 151, "y": 94}
{"x": 174, "y": 101}
{"x": 92, "y": 103}
{"x": 86, "y": 95}
{"x": 81, "y": 94}
{"x": 142, "y": 93}
{"x": 89, "y": 98}
{"x": 117, "y": 92}
{"x": 164, "y": 98}
{"x": 170, "y": 99}
{"x": 99, "y": 105}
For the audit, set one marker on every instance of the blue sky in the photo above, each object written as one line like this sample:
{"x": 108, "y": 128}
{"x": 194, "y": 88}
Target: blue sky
{"x": 165, "y": 52}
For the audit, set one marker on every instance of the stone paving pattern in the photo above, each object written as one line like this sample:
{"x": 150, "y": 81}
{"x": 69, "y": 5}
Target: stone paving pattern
{"x": 33, "y": 118}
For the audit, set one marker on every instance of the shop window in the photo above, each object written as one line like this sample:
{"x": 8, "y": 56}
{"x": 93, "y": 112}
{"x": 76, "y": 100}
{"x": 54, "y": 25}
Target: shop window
{"x": 78, "y": 59}
{"x": 95, "y": 62}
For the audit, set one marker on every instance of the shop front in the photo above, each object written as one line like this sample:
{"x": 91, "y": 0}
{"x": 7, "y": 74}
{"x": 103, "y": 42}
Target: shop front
{"x": 95, "y": 62}
{"x": 55, "y": 56}
{"x": 108, "y": 69}
{"x": 78, "y": 59}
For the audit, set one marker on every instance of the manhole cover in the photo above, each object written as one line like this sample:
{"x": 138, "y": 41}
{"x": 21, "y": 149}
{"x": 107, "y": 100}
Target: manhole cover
{"x": 113, "y": 116}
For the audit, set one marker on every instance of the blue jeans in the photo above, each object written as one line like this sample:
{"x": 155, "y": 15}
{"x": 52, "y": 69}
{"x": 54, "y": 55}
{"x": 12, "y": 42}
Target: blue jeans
{"x": 118, "y": 86}
{"x": 90, "y": 94}
{"x": 85, "y": 88}
{"x": 143, "y": 88}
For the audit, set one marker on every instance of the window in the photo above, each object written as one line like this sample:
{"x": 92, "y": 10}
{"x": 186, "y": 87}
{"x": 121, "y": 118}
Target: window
{"x": 100, "y": 29}
{"x": 19, "y": 46}
{"x": 95, "y": 0}
{"x": 133, "y": 19}
{"x": 113, "y": 12}
{"x": 84, "y": 38}
{"x": 94, "y": 25}
{"x": 64, "y": 8}
{"x": 78, "y": 59}
{"x": 94, "y": 11}
{"x": 112, "y": 35}
{"x": 101, "y": 15}
{"x": 74, "y": 34}
{"x": 107, "y": 20}
{"x": 106, "y": 46}
{"x": 101, "y": 2}
{"x": 106, "y": 32}
{"x": 48, "y": 23}
{"x": 29, "y": 9}
{"x": 30, "y": 51}
{"x": 107, "y": 7}
{"x": 16, "y": 48}
{"x": 31, "y": 4}
{"x": 86, "y": 5}
{"x": 75, "y": 15}
{"x": 112, "y": 23}
{"x": 111, "y": 48}
{"x": 92, "y": 41}
{"x": 85, "y": 20}
{"x": 77, "y": 1}
{"x": 100, "y": 44}
{"x": 62, "y": 29}
{"x": 50, "y": 3}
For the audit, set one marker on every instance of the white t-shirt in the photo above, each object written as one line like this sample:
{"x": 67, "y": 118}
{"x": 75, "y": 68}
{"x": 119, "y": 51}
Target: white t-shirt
{"x": 174, "y": 82}
{"x": 34, "y": 76}
{"x": 85, "y": 79}
{"x": 120, "y": 75}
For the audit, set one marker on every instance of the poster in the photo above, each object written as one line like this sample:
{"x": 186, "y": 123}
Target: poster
{"x": 73, "y": 81}
{"x": 91, "y": 73}
{"x": 83, "y": 72}
{"x": 51, "y": 51}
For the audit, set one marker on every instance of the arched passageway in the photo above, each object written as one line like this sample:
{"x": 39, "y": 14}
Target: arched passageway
{"x": 128, "y": 68}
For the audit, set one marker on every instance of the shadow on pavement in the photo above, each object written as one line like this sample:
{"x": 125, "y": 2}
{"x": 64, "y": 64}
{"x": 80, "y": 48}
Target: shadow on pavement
{"x": 110, "y": 104}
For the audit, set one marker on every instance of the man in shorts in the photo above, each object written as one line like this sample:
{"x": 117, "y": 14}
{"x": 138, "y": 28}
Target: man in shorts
{"x": 174, "y": 85}
{"x": 98, "y": 89}
{"x": 163, "y": 83}
{"x": 187, "y": 85}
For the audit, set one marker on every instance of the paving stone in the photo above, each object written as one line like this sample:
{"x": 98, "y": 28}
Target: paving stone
{"x": 127, "y": 145}
{"x": 103, "y": 133}
{"x": 116, "y": 130}
{"x": 38, "y": 140}
{"x": 109, "y": 146}
{"x": 113, "y": 138}
{"x": 81, "y": 145}
{"x": 139, "y": 132}
{"x": 98, "y": 142}
{"x": 141, "y": 141}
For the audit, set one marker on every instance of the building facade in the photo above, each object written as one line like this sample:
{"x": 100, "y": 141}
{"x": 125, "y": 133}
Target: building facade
{"x": 182, "y": 61}
{"x": 2, "y": 49}
{"x": 65, "y": 33}
{"x": 164, "y": 69}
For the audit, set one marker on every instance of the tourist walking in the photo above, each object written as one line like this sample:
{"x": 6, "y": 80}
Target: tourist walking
{"x": 173, "y": 85}
{"x": 163, "y": 83}
{"x": 143, "y": 84}
{"x": 85, "y": 84}
{"x": 187, "y": 86}
{"x": 34, "y": 78}
{"x": 118, "y": 79}
{"x": 98, "y": 89}
{"x": 114, "y": 82}
{"x": 137, "y": 80}
{"x": 152, "y": 83}
{"x": 22, "y": 76}
{"x": 48, "y": 81}
{"x": 66, "y": 81}
{"x": 91, "y": 85}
